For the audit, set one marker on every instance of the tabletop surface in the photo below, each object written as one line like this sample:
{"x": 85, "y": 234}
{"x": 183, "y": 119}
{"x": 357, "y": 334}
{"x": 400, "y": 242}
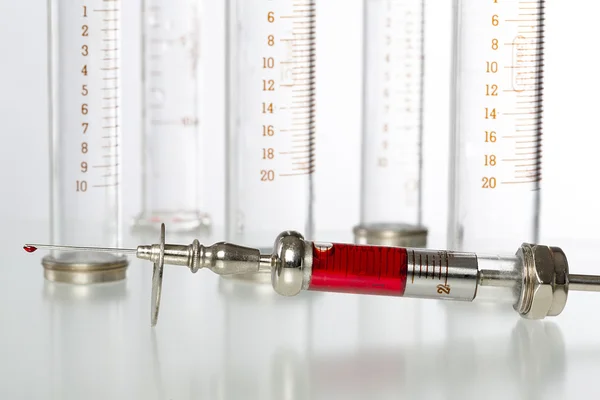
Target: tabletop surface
{"x": 225, "y": 339}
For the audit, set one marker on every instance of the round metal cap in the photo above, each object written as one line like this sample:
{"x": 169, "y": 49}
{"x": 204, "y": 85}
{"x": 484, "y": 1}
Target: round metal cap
{"x": 85, "y": 268}
{"x": 397, "y": 235}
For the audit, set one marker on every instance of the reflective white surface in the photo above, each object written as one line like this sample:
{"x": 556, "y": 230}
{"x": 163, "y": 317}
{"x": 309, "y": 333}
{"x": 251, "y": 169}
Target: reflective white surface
{"x": 222, "y": 339}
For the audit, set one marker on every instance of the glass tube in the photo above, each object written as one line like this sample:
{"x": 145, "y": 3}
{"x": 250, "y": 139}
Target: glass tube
{"x": 271, "y": 122}
{"x": 391, "y": 194}
{"x": 496, "y": 154}
{"x": 85, "y": 155}
{"x": 172, "y": 139}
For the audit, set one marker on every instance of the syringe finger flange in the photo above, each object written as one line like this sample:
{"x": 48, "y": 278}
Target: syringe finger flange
{"x": 157, "y": 275}
{"x": 545, "y": 281}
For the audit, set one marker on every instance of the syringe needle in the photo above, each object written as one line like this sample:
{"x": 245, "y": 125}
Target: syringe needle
{"x": 30, "y": 248}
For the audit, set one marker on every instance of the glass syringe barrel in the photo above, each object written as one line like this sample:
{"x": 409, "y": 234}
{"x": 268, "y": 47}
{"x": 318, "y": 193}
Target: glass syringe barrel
{"x": 411, "y": 272}
{"x": 84, "y": 81}
{"x": 172, "y": 92}
{"x": 497, "y": 131}
{"x": 392, "y": 121}
{"x": 271, "y": 121}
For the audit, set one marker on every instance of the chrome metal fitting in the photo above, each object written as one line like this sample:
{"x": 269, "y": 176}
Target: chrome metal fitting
{"x": 545, "y": 281}
{"x": 287, "y": 272}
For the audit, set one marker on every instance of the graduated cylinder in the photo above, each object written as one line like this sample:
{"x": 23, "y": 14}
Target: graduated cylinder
{"x": 85, "y": 105}
{"x": 497, "y": 131}
{"x": 271, "y": 124}
{"x": 391, "y": 211}
{"x": 172, "y": 75}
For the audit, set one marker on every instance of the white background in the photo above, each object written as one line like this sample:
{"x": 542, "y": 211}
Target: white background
{"x": 221, "y": 339}
{"x": 570, "y": 176}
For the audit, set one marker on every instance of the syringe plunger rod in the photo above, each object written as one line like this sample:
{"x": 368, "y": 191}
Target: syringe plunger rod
{"x": 584, "y": 283}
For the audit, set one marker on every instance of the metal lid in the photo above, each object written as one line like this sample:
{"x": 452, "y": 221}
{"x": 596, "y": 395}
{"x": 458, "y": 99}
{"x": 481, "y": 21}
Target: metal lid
{"x": 78, "y": 268}
{"x": 390, "y": 234}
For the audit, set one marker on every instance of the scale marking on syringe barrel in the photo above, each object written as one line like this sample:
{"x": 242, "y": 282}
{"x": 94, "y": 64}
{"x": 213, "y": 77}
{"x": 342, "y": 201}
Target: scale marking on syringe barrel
{"x": 438, "y": 274}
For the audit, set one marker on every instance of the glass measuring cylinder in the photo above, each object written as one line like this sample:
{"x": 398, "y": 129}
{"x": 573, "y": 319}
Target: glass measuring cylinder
{"x": 271, "y": 105}
{"x": 496, "y": 140}
{"x": 172, "y": 139}
{"x": 85, "y": 135}
{"x": 392, "y": 124}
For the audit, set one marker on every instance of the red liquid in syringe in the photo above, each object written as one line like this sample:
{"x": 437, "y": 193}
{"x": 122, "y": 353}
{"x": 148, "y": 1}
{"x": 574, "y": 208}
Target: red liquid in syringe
{"x": 359, "y": 269}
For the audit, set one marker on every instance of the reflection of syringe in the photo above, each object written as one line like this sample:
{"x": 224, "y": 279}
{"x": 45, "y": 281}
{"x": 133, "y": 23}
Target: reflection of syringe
{"x": 536, "y": 279}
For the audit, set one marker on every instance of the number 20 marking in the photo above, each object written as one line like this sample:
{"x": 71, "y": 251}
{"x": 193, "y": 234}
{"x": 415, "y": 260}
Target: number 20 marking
{"x": 267, "y": 175}
{"x": 488, "y": 183}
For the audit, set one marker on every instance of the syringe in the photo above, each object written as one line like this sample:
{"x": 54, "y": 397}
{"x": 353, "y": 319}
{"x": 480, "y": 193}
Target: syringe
{"x": 536, "y": 279}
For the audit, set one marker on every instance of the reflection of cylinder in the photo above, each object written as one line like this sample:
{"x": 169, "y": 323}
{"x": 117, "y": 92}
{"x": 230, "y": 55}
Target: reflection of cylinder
{"x": 383, "y": 322}
{"x": 258, "y": 323}
{"x": 85, "y": 136}
{"x": 541, "y": 352}
{"x": 172, "y": 85}
{"x": 289, "y": 376}
{"x": 271, "y": 105}
{"x": 392, "y": 124}
{"x": 453, "y": 366}
{"x": 496, "y": 140}
{"x": 480, "y": 344}
{"x": 87, "y": 339}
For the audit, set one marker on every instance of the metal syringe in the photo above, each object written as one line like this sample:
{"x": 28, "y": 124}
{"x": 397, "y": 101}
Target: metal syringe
{"x": 536, "y": 280}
